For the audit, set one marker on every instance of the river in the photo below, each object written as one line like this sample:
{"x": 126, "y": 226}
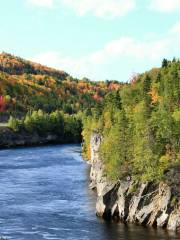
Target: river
{"x": 44, "y": 195}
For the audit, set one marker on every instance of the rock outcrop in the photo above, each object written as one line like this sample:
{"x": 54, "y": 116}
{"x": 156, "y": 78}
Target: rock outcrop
{"x": 147, "y": 203}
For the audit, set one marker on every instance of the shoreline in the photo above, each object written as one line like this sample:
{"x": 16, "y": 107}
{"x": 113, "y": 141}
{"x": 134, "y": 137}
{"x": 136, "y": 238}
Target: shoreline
{"x": 10, "y": 139}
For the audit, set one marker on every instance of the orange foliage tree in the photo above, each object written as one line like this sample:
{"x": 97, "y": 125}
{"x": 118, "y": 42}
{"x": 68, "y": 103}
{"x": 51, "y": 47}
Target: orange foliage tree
{"x": 2, "y": 104}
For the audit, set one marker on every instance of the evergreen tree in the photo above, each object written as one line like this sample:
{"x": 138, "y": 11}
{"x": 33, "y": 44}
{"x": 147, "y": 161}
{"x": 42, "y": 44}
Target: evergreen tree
{"x": 164, "y": 63}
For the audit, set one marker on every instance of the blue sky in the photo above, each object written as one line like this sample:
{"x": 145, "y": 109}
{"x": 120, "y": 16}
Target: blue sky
{"x": 98, "y": 39}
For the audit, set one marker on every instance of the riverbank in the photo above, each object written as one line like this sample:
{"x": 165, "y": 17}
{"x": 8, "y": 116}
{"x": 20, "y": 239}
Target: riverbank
{"x": 10, "y": 138}
{"x": 146, "y": 204}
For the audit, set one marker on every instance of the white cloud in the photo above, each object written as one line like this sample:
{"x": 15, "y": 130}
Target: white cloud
{"x": 59, "y": 61}
{"x": 48, "y": 58}
{"x": 165, "y": 5}
{"x": 94, "y": 64}
{"x": 131, "y": 48}
{"x": 176, "y": 29}
{"x": 108, "y": 8}
{"x": 41, "y": 3}
{"x": 101, "y": 8}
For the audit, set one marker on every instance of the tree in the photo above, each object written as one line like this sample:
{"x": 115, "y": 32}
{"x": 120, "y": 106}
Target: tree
{"x": 115, "y": 150}
{"x": 164, "y": 63}
{"x": 2, "y": 104}
{"x": 14, "y": 124}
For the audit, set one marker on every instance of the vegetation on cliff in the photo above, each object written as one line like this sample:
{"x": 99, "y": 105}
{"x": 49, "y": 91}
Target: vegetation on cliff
{"x": 140, "y": 125}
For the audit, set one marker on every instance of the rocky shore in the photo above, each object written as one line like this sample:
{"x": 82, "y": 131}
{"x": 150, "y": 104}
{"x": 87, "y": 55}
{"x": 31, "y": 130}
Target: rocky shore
{"x": 147, "y": 204}
{"x": 9, "y": 138}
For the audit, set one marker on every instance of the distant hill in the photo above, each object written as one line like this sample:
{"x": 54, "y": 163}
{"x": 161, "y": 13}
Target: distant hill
{"x": 27, "y": 86}
{"x": 17, "y": 66}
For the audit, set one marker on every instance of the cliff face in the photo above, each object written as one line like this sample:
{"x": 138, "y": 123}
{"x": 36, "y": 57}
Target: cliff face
{"x": 147, "y": 204}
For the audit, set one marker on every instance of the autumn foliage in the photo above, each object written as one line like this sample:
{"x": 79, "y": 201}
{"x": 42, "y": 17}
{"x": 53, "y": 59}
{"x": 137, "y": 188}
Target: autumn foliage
{"x": 32, "y": 86}
{"x": 2, "y": 104}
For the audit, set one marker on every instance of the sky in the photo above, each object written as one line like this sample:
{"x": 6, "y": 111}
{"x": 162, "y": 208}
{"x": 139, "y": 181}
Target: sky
{"x": 97, "y": 39}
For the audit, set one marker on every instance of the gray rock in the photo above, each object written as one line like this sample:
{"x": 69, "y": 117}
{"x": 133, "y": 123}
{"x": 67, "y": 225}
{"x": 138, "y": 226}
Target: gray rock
{"x": 149, "y": 204}
{"x": 174, "y": 220}
{"x": 136, "y": 202}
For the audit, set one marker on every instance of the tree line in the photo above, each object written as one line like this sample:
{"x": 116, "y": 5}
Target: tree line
{"x": 66, "y": 127}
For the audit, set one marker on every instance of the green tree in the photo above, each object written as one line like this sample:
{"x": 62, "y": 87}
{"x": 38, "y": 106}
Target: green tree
{"x": 14, "y": 124}
{"x": 164, "y": 63}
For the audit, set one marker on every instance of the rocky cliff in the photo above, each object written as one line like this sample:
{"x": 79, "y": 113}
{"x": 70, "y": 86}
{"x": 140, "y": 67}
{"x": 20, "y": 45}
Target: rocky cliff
{"x": 147, "y": 203}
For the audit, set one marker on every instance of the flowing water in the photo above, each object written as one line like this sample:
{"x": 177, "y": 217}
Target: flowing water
{"x": 44, "y": 195}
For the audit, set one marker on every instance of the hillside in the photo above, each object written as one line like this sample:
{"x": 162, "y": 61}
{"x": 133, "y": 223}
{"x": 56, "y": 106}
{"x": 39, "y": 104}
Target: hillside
{"x": 43, "y": 105}
{"x": 18, "y": 66}
{"x": 27, "y": 86}
{"x": 140, "y": 126}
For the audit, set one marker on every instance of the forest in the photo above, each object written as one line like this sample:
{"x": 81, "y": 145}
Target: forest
{"x": 36, "y": 98}
{"x": 139, "y": 125}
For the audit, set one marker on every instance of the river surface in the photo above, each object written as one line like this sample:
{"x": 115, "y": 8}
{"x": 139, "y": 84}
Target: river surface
{"x": 44, "y": 195}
